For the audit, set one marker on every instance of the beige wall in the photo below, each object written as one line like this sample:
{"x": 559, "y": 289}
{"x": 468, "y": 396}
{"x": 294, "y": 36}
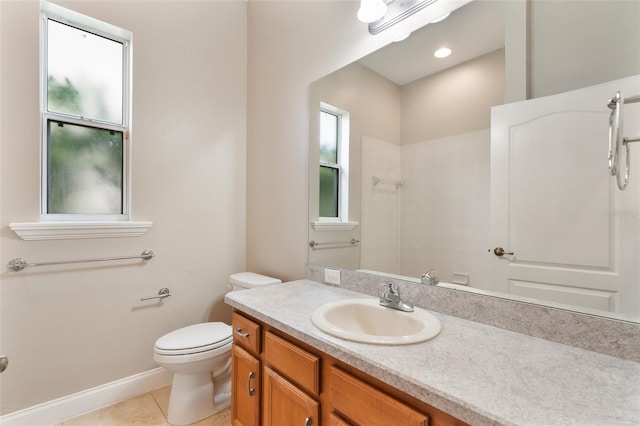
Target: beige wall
{"x": 70, "y": 328}
{"x": 581, "y": 43}
{"x": 455, "y": 101}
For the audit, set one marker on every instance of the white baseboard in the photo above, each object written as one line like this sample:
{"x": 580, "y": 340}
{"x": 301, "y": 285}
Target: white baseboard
{"x": 70, "y": 406}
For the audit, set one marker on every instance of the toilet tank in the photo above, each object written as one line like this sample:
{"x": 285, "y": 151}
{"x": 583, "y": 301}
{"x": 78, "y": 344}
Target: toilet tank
{"x": 244, "y": 280}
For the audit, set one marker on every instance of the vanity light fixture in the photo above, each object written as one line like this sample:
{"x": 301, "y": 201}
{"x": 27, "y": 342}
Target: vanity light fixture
{"x": 371, "y": 10}
{"x": 443, "y": 52}
{"x": 396, "y": 11}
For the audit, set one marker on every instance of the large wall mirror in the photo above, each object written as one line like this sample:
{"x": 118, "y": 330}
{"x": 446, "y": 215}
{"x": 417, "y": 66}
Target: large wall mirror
{"x": 417, "y": 190}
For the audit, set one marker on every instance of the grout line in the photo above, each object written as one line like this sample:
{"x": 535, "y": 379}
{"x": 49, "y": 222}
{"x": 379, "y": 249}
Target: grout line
{"x": 158, "y": 405}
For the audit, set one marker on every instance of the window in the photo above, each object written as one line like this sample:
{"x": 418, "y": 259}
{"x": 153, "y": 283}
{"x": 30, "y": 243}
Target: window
{"x": 334, "y": 164}
{"x": 85, "y": 105}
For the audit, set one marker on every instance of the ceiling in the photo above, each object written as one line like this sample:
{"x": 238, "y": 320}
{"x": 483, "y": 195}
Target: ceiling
{"x": 470, "y": 31}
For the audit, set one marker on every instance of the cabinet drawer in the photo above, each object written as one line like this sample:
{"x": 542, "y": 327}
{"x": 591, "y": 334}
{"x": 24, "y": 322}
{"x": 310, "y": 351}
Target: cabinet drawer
{"x": 361, "y": 404}
{"x": 246, "y": 333}
{"x": 296, "y": 364}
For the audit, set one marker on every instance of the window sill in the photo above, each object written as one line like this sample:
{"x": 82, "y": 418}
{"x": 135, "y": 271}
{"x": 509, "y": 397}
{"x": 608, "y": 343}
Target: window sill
{"x": 36, "y": 231}
{"x": 334, "y": 226}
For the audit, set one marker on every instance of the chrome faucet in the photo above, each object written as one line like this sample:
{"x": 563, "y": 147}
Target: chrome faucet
{"x": 430, "y": 278}
{"x": 390, "y": 297}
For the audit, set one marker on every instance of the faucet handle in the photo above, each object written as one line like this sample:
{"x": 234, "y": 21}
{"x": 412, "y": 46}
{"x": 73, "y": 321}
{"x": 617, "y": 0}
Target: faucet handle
{"x": 389, "y": 287}
{"x": 430, "y": 278}
{"x": 390, "y": 297}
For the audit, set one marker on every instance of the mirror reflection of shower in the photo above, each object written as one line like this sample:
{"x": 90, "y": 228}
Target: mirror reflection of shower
{"x": 418, "y": 212}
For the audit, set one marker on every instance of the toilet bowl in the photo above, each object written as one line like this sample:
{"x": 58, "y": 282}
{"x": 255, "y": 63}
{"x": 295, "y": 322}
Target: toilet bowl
{"x": 199, "y": 356}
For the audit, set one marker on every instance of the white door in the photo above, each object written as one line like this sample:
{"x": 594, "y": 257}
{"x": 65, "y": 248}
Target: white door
{"x": 554, "y": 204}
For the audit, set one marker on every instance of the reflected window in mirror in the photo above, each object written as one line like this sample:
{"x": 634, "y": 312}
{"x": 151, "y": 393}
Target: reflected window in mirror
{"x": 334, "y": 164}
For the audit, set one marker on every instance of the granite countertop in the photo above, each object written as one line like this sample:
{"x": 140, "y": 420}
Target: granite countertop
{"x": 480, "y": 374}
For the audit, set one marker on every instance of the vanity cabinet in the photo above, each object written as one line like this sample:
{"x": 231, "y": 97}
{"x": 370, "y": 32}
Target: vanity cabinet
{"x": 302, "y": 386}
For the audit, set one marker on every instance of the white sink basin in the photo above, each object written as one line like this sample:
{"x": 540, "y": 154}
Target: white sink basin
{"x": 364, "y": 320}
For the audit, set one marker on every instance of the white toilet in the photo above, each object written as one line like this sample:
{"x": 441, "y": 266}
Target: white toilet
{"x": 199, "y": 355}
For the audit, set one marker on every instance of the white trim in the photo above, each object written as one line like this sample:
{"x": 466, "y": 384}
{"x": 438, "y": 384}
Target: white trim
{"x": 333, "y": 226}
{"x": 74, "y": 18}
{"x": 36, "y": 231}
{"x": 74, "y": 405}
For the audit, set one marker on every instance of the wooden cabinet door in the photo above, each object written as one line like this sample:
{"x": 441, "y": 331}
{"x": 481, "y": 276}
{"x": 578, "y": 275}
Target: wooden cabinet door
{"x": 359, "y": 403}
{"x": 245, "y": 388}
{"x": 286, "y": 405}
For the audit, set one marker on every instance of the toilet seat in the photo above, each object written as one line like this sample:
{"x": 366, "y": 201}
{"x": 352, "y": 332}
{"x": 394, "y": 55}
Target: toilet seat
{"x": 195, "y": 338}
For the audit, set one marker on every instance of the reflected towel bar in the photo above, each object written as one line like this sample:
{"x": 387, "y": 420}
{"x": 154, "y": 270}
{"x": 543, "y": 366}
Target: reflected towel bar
{"x": 376, "y": 180}
{"x": 18, "y": 264}
{"x": 351, "y": 242}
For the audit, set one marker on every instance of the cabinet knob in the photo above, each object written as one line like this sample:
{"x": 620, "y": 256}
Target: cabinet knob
{"x": 308, "y": 421}
{"x": 249, "y": 388}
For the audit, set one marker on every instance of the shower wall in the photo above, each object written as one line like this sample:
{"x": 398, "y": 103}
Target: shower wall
{"x": 426, "y": 206}
{"x": 442, "y": 206}
{"x": 444, "y": 218}
{"x": 381, "y": 206}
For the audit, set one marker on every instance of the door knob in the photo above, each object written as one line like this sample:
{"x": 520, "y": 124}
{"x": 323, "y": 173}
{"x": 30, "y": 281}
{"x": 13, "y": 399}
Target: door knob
{"x": 499, "y": 251}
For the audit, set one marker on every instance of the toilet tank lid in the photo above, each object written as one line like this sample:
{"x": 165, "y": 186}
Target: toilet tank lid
{"x": 251, "y": 279}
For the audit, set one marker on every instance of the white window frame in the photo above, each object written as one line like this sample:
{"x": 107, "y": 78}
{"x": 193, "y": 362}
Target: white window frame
{"x": 80, "y": 226}
{"x": 53, "y": 12}
{"x": 342, "y": 165}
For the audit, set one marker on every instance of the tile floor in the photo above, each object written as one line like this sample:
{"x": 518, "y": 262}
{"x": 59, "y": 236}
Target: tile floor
{"x": 149, "y": 409}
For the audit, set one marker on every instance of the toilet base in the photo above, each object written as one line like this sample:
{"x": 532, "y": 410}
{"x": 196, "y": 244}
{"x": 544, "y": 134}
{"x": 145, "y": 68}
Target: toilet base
{"x": 192, "y": 398}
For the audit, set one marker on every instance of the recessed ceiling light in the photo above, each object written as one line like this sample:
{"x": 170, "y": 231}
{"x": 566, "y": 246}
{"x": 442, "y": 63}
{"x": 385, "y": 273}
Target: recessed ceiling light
{"x": 443, "y": 52}
{"x": 441, "y": 18}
